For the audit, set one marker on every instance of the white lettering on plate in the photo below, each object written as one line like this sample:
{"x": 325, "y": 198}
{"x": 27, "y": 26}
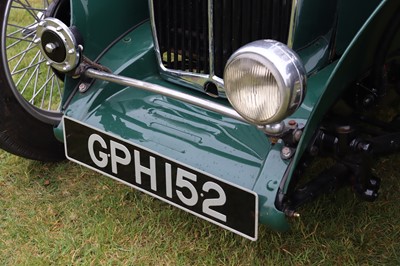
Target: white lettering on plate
{"x": 151, "y": 171}
{"x": 185, "y": 181}
{"x": 103, "y": 161}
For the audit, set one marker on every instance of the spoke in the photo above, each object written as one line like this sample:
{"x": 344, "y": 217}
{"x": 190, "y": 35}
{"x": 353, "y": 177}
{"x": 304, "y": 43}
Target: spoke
{"x": 35, "y": 84}
{"x": 21, "y": 39}
{"x": 26, "y": 1}
{"x": 15, "y": 32}
{"x": 21, "y": 27}
{"x": 29, "y": 8}
{"x": 22, "y": 58}
{"x": 30, "y": 79}
{"x": 28, "y": 67}
{"x": 25, "y": 39}
{"x": 21, "y": 53}
{"x": 51, "y": 93}
{"x": 59, "y": 93}
{"x": 26, "y": 31}
{"x": 45, "y": 89}
{"x": 46, "y": 3}
{"x": 26, "y": 71}
{"x": 40, "y": 89}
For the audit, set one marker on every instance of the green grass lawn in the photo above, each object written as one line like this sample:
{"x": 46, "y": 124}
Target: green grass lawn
{"x": 66, "y": 215}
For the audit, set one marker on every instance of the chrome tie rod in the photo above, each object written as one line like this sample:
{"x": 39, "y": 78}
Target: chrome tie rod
{"x": 184, "y": 97}
{"x": 274, "y": 129}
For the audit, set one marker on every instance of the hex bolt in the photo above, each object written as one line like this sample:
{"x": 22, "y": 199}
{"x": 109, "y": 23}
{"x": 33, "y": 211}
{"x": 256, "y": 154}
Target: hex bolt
{"x": 66, "y": 66}
{"x": 286, "y": 153}
{"x": 297, "y": 135}
{"x": 83, "y": 87}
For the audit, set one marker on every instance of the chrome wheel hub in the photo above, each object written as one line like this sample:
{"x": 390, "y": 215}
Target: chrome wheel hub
{"x": 58, "y": 45}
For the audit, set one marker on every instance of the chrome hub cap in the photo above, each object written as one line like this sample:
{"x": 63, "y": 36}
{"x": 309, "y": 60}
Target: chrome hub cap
{"x": 58, "y": 44}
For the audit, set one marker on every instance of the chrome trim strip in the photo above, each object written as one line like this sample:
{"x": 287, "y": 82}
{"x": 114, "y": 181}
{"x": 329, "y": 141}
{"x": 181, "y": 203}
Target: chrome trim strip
{"x": 293, "y": 21}
{"x": 154, "y": 30}
{"x": 187, "y": 98}
{"x": 211, "y": 36}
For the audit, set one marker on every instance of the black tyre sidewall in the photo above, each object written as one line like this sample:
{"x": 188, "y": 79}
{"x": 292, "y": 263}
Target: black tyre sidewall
{"x": 22, "y": 129}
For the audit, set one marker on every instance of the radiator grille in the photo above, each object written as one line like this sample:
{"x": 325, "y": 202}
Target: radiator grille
{"x": 238, "y": 22}
{"x": 182, "y": 33}
{"x": 183, "y": 30}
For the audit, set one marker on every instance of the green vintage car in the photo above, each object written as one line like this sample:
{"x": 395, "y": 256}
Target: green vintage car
{"x": 216, "y": 107}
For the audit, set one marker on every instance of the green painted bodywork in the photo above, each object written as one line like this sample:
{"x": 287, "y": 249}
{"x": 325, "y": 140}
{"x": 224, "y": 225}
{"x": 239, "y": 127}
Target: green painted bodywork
{"x": 119, "y": 36}
{"x": 324, "y": 29}
{"x": 101, "y": 22}
{"x": 318, "y": 17}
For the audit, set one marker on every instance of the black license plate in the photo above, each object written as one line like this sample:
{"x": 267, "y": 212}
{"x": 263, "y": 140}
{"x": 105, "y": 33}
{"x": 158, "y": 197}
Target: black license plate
{"x": 194, "y": 191}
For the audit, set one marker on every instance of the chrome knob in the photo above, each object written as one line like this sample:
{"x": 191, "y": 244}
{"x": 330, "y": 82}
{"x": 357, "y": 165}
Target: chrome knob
{"x": 50, "y": 47}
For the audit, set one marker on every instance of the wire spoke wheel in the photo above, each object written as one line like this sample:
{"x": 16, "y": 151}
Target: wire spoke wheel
{"x": 36, "y": 84}
{"x": 31, "y": 90}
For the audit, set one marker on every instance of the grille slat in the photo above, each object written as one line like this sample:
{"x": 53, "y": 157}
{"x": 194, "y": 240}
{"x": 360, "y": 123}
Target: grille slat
{"x": 174, "y": 32}
{"x": 218, "y": 35}
{"x": 182, "y": 30}
{"x": 255, "y": 19}
{"x": 189, "y": 32}
{"x": 236, "y": 22}
{"x": 206, "y": 42}
{"x": 246, "y": 25}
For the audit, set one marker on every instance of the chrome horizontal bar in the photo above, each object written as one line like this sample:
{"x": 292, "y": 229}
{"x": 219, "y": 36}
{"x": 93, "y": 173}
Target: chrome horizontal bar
{"x": 184, "y": 97}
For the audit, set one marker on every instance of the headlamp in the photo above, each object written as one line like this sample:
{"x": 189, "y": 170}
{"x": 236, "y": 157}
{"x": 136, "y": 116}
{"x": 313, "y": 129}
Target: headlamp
{"x": 265, "y": 81}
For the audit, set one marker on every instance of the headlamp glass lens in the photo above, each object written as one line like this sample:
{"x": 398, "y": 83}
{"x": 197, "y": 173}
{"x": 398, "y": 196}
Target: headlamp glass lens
{"x": 252, "y": 89}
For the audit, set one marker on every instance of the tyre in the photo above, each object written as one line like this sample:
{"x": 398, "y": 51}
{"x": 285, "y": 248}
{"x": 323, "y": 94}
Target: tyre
{"x": 30, "y": 90}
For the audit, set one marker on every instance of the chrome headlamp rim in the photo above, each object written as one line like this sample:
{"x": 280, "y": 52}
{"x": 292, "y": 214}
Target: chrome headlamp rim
{"x": 287, "y": 69}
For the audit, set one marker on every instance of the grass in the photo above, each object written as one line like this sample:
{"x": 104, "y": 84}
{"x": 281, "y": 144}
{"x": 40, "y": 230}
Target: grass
{"x": 63, "y": 214}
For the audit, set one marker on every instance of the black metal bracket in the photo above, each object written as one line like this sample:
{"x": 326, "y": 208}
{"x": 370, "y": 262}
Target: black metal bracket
{"x": 353, "y": 171}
